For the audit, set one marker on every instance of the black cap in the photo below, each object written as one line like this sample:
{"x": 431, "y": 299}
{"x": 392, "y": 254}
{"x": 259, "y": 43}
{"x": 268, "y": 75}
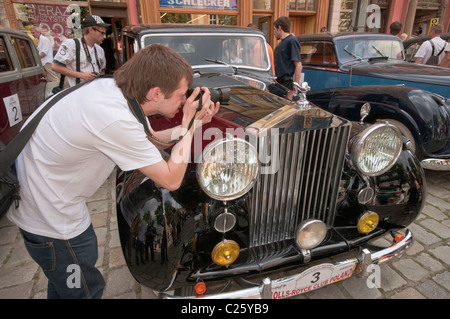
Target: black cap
{"x": 92, "y": 21}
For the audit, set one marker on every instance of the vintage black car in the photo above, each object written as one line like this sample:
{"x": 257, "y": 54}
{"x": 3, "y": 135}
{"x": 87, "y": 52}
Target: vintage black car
{"x": 272, "y": 185}
{"x": 349, "y": 60}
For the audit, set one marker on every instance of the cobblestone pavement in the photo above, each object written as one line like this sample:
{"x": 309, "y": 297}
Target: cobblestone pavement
{"x": 423, "y": 272}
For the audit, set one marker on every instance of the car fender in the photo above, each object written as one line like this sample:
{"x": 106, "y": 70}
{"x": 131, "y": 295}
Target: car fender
{"x": 425, "y": 114}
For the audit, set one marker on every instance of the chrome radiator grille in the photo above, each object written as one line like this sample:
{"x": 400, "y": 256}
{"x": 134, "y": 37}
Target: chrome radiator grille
{"x": 304, "y": 186}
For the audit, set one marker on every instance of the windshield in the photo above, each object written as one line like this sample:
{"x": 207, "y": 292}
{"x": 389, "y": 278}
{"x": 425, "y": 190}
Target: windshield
{"x": 360, "y": 48}
{"x": 205, "y": 50}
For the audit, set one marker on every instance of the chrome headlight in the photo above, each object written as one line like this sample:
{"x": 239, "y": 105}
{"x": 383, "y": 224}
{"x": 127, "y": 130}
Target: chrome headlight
{"x": 377, "y": 148}
{"x": 310, "y": 233}
{"x": 229, "y": 169}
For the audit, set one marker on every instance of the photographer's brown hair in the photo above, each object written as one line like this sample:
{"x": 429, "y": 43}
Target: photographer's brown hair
{"x": 153, "y": 66}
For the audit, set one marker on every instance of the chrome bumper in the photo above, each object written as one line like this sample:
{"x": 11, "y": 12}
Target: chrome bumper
{"x": 436, "y": 164}
{"x": 264, "y": 291}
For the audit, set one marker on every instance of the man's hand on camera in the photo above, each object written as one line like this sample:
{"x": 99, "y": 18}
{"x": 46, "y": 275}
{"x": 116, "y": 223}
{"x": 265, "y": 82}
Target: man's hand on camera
{"x": 208, "y": 110}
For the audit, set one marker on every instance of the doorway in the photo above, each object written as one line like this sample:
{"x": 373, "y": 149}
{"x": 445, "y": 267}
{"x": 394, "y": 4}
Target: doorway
{"x": 112, "y": 45}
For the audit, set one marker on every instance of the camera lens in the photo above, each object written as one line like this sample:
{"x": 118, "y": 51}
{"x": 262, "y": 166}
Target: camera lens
{"x": 220, "y": 95}
{"x": 217, "y": 95}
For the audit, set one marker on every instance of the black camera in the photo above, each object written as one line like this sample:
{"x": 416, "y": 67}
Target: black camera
{"x": 217, "y": 95}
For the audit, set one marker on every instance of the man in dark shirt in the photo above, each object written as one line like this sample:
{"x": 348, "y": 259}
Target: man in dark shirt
{"x": 288, "y": 65}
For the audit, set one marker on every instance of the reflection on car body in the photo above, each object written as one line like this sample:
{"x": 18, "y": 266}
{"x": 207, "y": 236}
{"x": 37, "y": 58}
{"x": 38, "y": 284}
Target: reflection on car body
{"x": 303, "y": 185}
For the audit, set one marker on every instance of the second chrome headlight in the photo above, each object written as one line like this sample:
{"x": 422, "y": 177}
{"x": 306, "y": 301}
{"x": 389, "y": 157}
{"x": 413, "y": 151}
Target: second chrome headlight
{"x": 377, "y": 149}
{"x": 229, "y": 169}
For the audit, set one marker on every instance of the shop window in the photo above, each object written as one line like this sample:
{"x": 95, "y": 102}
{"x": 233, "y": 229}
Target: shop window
{"x": 302, "y": 5}
{"x": 4, "y": 22}
{"x": 262, "y": 4}
{"x": 202, "y": 5}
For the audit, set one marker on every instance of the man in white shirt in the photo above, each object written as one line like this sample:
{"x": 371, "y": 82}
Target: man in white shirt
{"x": 92, "y": 55}
{"x": 75, "y": 148}
{"x": 45, "y": 50}
{"x": 424, "y": 53}
{"x": 446, "y": 59}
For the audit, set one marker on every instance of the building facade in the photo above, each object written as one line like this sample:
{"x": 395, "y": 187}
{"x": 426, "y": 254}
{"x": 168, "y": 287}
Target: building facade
{"x": 60, "y": 19}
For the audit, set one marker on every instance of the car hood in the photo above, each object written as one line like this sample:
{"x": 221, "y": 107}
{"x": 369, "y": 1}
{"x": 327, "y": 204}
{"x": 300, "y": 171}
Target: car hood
{"x": 247, "y": 106}
{"x": 401, "y": 71}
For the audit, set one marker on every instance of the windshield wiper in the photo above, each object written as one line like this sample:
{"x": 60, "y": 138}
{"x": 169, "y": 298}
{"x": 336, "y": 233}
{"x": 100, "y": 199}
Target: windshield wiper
{"x": 223, "y": 63}
{"x": 379, "y": 52}
{"x": 216, "y": 61}
{"x": 352, "y": 54}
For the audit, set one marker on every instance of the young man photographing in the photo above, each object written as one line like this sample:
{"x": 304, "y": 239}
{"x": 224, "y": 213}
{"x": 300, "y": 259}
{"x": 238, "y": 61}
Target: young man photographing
{"x": 92, "y": 55}
{"x": 288, "y": 65}
{"x": 75, "y": 148}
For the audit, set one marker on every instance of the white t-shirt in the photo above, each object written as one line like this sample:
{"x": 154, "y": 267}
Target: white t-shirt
{"x": 73, "y": 150}
{"x": 426, "y": 49}
{"x": 44, "y": 45}
{"x": 447, "y": 47}
{"x": 66, "y": 56}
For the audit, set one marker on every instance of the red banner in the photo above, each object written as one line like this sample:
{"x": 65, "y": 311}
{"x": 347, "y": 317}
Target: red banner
{"x": 55, "y": 21}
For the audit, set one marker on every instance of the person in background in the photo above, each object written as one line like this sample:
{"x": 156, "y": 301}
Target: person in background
{"x": 45, "y": 50}
{"x": 269, "y": 47}
{"x": 92, "y": 55}
{"x": 288, "y": 65}
{"x": 140, "y": 241}
{"x": 396, "y": 28}
{"x": 446, "y": 59}
{"x": 425, "y": 50}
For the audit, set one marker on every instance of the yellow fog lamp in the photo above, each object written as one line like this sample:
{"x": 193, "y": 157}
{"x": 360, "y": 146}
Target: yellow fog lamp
{"x": 368, "y": 222}
{"x": 225, "y": 253}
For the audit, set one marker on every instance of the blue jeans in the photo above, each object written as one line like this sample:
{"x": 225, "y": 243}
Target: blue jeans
{"x": 68, "y": 264}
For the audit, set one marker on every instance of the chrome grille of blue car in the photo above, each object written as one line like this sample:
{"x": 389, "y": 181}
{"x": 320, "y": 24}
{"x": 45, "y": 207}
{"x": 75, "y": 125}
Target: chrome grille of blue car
{"x": 305, "y": 185}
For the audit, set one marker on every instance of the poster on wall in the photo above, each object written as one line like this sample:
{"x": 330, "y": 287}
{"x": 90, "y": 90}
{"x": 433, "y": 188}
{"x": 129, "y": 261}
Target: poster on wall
{"x": 199, "y": 4}
{"x": 57, "y": 22}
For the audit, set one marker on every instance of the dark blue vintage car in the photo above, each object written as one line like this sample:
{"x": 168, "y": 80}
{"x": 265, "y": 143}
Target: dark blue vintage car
{"x": 274, "y": 188}
{"x": 349, "y": 60}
